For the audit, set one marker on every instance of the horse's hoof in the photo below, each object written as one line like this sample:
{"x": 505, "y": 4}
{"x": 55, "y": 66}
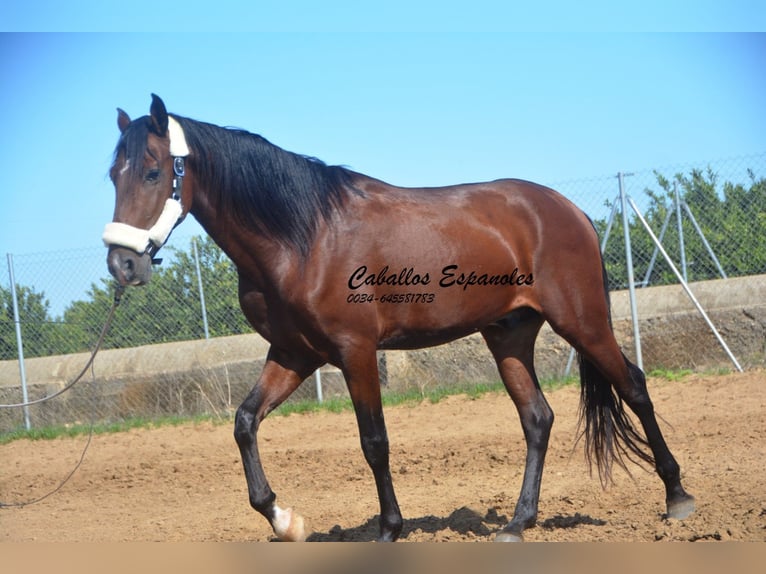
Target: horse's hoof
{"x": 504, "y": 536}
{"x": 681, "y": 509}
{"x": 289, "y": 526}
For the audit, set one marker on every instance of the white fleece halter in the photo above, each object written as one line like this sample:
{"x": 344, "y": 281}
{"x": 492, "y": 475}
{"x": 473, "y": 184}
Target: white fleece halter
{"x": 140, "y": 240}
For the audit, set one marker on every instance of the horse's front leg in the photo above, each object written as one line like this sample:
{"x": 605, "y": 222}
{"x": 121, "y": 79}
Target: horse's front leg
{"x": 361, "y": 372}
{"x": 281, "y": 375}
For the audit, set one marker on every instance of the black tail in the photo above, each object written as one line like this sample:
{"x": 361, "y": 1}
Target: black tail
{"x": 609, "y": 433}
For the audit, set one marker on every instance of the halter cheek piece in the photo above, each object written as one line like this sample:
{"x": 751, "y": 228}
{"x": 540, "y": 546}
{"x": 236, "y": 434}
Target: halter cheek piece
{"x": 151, "y": 240}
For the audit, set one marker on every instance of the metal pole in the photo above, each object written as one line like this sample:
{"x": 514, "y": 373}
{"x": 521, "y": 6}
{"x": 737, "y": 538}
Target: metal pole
{"x": 19, "y": 343}
{"x": 686, "y": 287}
{"x": 704, "y": 240}
{"x": 629, "y": 263}
{"x": 680, "y": 231}
{"x": 318, "y": 381}
{"x": 201, "y": 290}
{"x": 653, "y": 260}
{"x": 609, "y": 223}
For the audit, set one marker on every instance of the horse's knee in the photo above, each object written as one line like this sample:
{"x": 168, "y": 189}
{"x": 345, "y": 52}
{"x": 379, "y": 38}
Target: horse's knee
{"x": 244, "y": 426}
{"x": 537, "y": 422}
{"x": 545, "y": 417}
{"x": 375, "y": 449}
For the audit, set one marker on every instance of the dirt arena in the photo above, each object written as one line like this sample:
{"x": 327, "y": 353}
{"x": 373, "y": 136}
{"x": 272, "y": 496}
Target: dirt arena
{"x": 456, "y": 466}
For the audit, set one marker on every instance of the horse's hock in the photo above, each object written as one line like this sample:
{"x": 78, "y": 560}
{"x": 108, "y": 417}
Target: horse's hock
{"x": 214, "y": 376}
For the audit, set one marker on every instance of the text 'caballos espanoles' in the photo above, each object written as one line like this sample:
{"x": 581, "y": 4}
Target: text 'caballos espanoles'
{"x": 451, "y": 276}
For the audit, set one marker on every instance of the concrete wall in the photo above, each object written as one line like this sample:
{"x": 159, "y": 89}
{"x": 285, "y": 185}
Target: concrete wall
{"x": 673, "y": 336}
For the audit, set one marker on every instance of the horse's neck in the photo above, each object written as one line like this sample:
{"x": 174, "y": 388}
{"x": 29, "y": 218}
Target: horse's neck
{"x": 251, "y": 252}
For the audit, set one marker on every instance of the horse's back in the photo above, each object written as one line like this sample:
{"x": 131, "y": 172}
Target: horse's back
{"x": 422, "y": 266}
{"x": 520, "y": 218}
{"x": 525, "y": 197}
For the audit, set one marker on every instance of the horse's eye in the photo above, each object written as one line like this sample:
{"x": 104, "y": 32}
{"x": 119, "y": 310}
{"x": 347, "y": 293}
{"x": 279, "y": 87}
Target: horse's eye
{"x": 152, "y": 175}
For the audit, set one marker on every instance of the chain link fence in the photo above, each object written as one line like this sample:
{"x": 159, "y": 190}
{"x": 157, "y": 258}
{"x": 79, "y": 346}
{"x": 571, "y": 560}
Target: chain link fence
{"x": 721, "y": 207}
{"x": 711, "y": 218}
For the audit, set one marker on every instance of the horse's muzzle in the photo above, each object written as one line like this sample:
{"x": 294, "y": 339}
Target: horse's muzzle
{"x": 129, "y": 267}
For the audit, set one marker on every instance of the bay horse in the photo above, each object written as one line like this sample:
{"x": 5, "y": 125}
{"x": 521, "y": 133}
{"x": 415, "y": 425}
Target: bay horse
{"x": 334, "y": 265}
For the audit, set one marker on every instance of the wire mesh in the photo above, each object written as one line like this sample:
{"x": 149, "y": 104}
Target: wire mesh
{"x": 712, "y": 218}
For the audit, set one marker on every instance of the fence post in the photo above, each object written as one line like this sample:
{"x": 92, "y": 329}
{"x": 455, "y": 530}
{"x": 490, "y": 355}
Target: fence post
{"x": 19, "y": 342}
{"x": 201, "y": 290}
{"x": 681, "y": 246}
{"x": 318, "y": 384}
{"x": 629, "y": 264}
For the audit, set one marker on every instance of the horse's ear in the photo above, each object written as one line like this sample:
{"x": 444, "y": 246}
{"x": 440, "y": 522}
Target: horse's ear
{"x": 159, "y": 116}
{"x": 123, "y": 120}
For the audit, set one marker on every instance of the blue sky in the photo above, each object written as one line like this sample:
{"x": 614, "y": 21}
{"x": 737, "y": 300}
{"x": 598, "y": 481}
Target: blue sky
{"x": 423, "y": 108}
{"x": 415, "y": 16}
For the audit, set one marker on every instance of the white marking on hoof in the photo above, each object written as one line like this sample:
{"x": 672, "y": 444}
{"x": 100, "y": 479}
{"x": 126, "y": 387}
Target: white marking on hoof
{"x": 504, "y": 536}
{"x": 288, "y": 525}
{"x": 681, "y": 509}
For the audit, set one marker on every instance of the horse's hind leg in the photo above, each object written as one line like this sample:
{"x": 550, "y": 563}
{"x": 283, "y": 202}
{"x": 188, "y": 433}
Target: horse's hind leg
{"x": 679, "y": 503}
{"x": 511, "y": 341}
{"x": 630, "y": 383}
{"x": 608, "y": 430}
{"x": 280, "y": 377}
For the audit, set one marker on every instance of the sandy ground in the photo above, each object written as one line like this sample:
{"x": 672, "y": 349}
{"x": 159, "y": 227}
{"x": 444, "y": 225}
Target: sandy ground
{"x": 456, "y": 466}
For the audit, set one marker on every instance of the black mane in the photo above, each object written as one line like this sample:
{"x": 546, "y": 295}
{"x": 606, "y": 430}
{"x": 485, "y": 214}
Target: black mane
{"x": 279, "y": 193}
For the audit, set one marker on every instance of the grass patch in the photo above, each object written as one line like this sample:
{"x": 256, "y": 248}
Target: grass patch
{"x": 413, "y": 396}
{"x": 669, "y": 374}
{"x": 389, "y": 398}
{"x": 549, "y": 385}
{"x": 74, "y": 430}
{"x": 680, "y": 374}
{"x": 331, "y": 404}
{"x": 304, "y": 406}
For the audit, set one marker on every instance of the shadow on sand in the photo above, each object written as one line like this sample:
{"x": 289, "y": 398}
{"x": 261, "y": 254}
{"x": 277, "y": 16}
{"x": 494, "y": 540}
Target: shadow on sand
{"x": 462, "y": 521}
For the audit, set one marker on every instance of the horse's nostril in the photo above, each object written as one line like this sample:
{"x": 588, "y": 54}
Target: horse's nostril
{"x": 129, "y": 268}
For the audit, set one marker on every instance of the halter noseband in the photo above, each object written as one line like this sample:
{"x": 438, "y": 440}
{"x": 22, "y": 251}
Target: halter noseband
{"x": 151, "y": 240}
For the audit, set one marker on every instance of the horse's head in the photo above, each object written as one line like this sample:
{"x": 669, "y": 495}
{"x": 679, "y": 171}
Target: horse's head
{"x": 148, "y": 174}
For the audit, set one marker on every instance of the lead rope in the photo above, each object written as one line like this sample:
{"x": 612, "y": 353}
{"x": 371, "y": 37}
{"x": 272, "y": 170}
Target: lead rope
{"x": 118, "y": 291}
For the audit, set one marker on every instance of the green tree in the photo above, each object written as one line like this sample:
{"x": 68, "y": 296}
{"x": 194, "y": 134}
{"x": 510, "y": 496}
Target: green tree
{"x": 220, "y": 286}
{"x": 37, "y": 327}
{"x": 732, "y": 218}
{"x": 168, "y": 308}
